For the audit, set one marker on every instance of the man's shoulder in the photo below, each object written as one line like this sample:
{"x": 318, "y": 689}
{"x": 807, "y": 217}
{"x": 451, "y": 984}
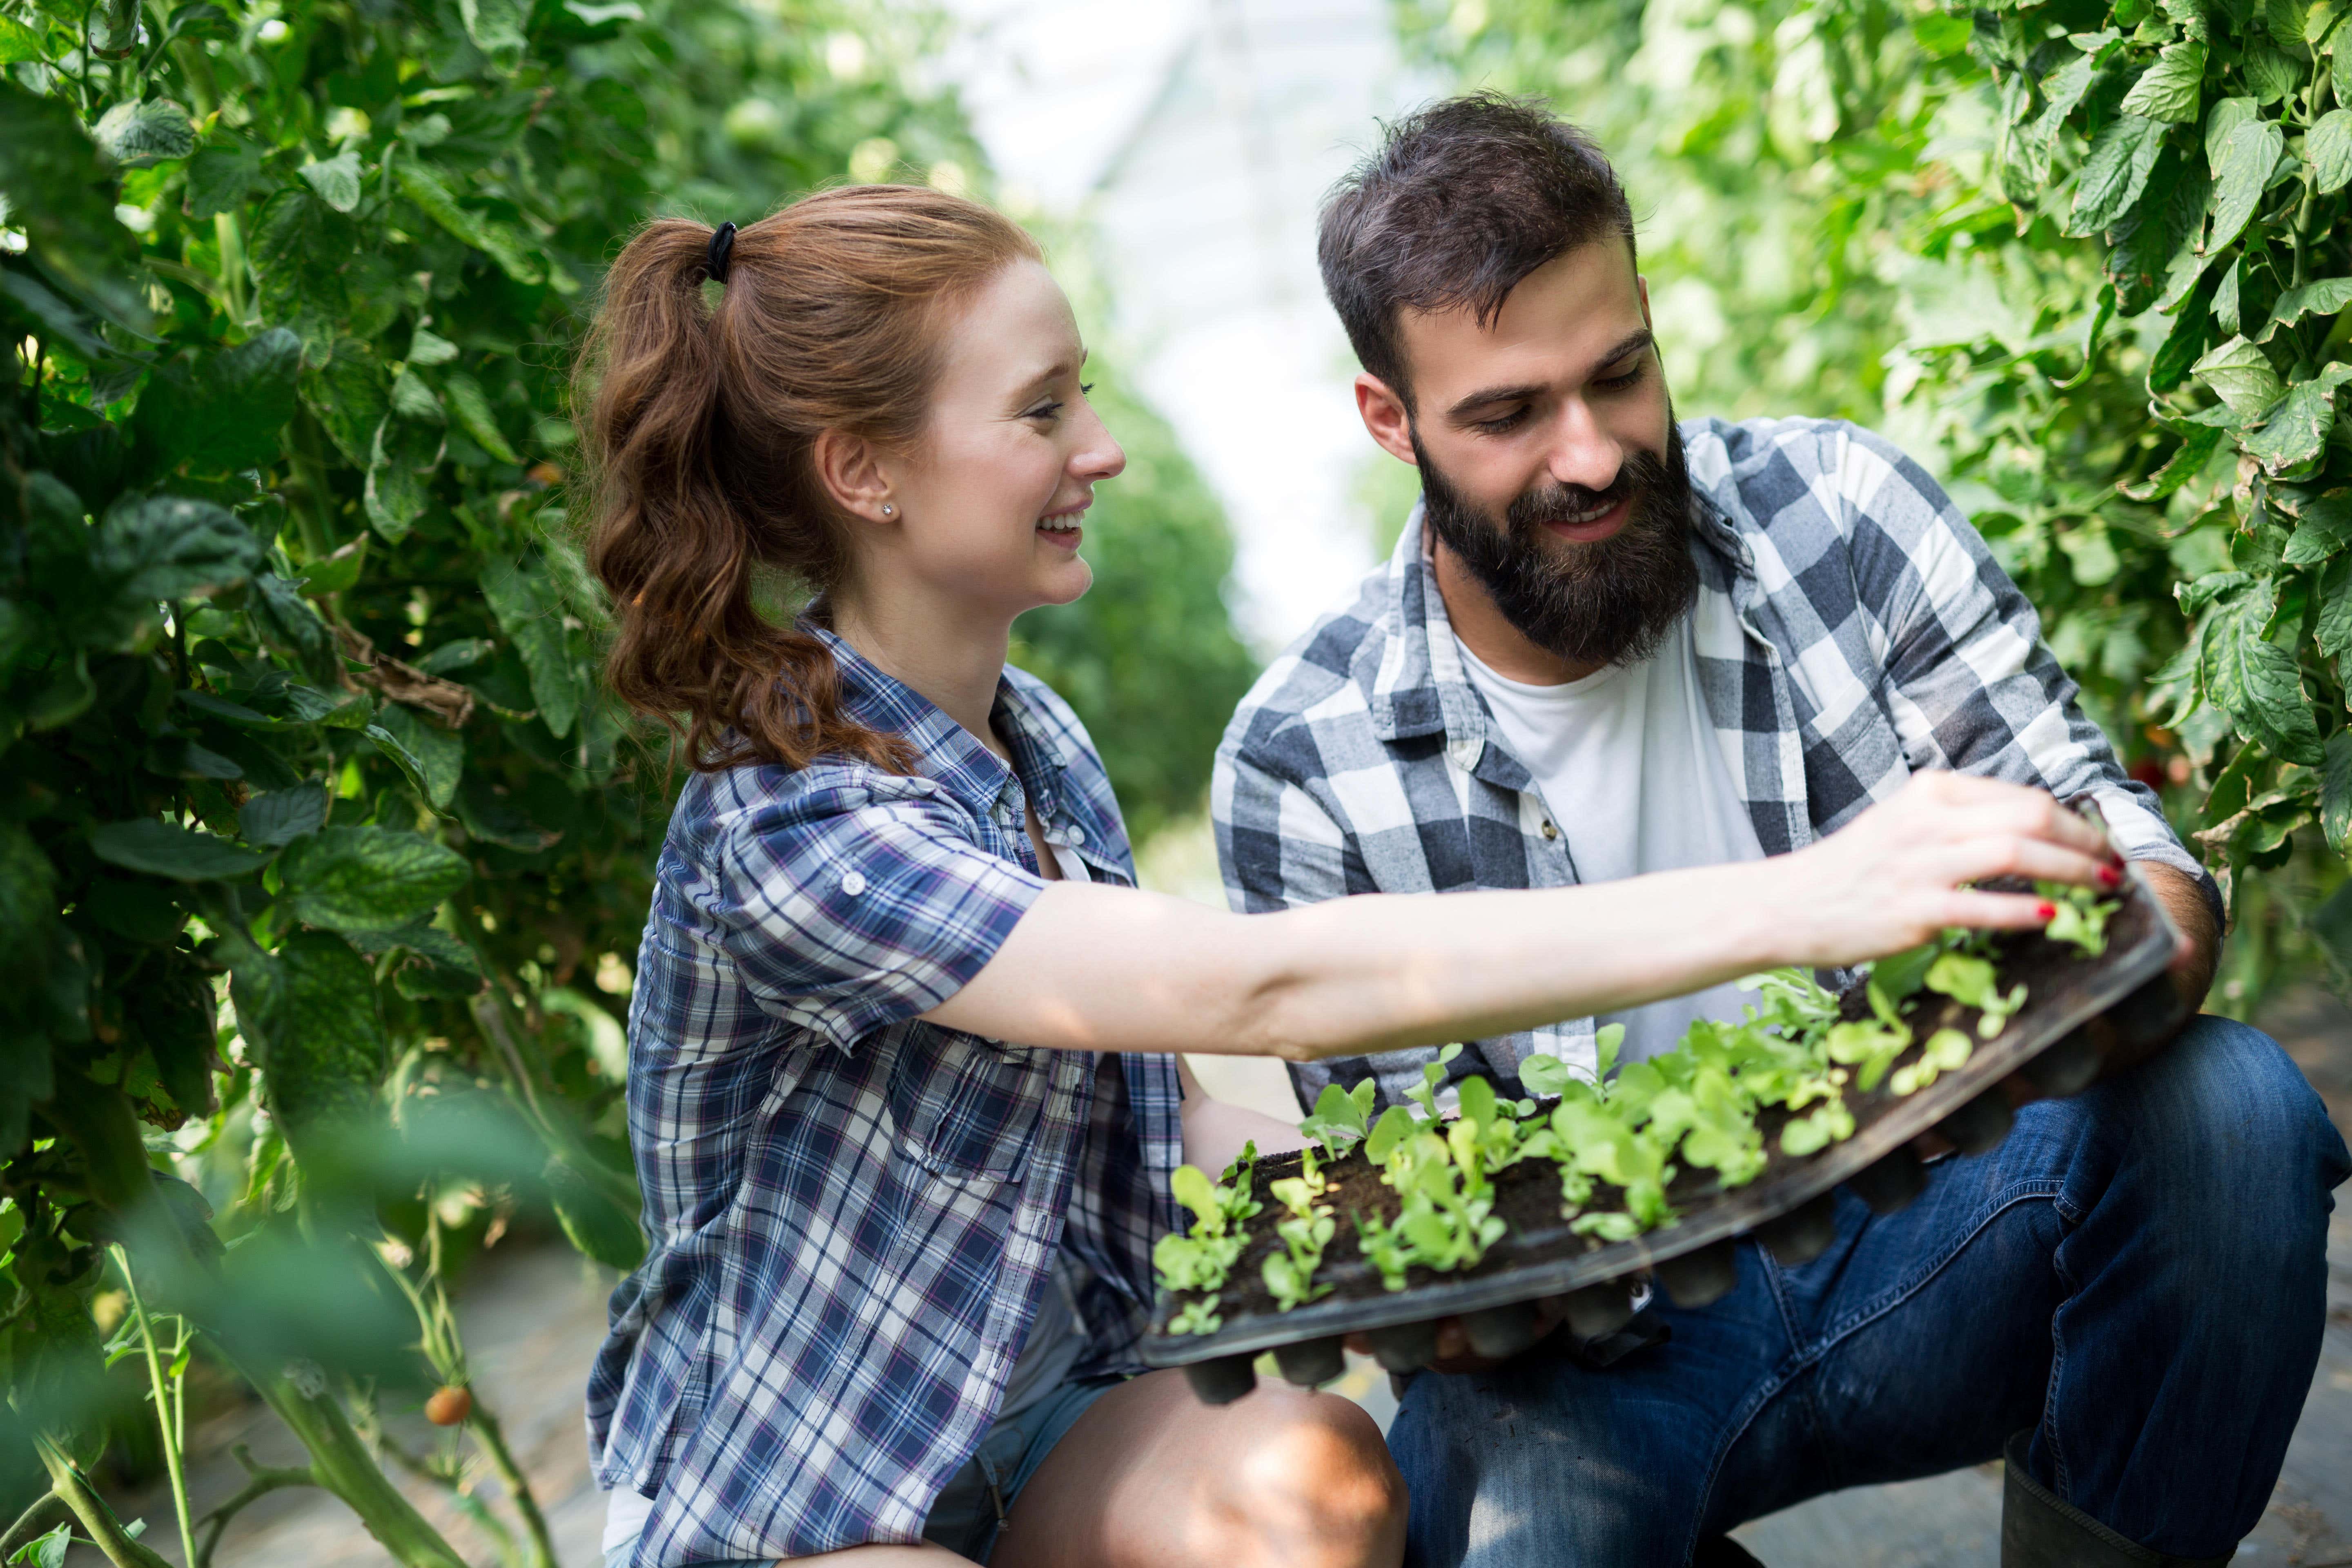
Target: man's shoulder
{"x": 1326, "y": 660}
{"x": 1778, "y": 475}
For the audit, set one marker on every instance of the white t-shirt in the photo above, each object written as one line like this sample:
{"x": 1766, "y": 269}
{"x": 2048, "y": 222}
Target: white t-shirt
{"x": 1626, "y": 759}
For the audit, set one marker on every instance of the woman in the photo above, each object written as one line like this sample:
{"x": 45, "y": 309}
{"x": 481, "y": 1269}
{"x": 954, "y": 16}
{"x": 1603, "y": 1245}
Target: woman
{"x": 901, "y": 1199}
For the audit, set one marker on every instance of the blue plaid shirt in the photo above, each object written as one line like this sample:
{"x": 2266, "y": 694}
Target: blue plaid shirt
{"x": 853, "y": 1212}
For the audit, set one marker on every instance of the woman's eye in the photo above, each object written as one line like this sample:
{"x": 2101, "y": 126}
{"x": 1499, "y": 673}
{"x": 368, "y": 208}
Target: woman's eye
{"x": 1043, "y": 411}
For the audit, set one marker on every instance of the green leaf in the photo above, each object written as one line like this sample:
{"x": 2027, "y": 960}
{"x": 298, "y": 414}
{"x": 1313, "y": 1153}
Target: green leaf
{"x": 2286, "y": 21}
{"x": 2293, "y": 433}
{"x": 2241, "y": 375}
{"x": 2191, "y": 16}
{"x": 17, "y": 42}
{"x": 473, "y": 412}
{"x": 169, "y": 547}
{"x": 347, "y": 394}
{"x": 2325, "y": 528}
{"x": 530, "y": 614}
{"x": 286, "y": 620}
{"x": 304, "y": 253}
{"x": 426, "y": 187}
{"x": 2333, "y": 635}
{"x": 2226, "y": 115}
{"x": 366, "y": 878}
{"x": 279, "y": 817}
{"x": 2271, "y": 74}
{"x": 2325, "y": 296}
{"x": 1939, "y": 33}
{"x": 413, "y": 397}
{"x": 2259, "y": 684}
{"x": 428, "y": 348}
{"x": 2170, "y": 88}
{"x": 405, "y": 453}
{"x": 436, "y": 756}
{"x": 496, "y": 28}
{"x": 2115, "y": 173}
{"x": 337, "y": 180}
{"x": 2240, "y": 176}
{"x": 44, "y": 1551}
{"x": 222, "y": 176}
{"x": 322, "y": 1039}
{"x": 224, "y": 411}
{"x": 163, "y": 849}
{"x": 2328, "y": 145}
{"x": 2188, "y": 460}
{"x": 137, "y": 135}
{"x": 62, "y": 197}
{"x": 2335, "y": 790}
{"x": 596, "y": 1223}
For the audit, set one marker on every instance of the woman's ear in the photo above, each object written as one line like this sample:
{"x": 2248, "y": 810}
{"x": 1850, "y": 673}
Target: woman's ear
{"x": 852, "y": 470}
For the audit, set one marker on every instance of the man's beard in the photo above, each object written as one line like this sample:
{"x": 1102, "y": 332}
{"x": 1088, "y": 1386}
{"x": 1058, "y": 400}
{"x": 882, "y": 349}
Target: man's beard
{"x": 1609, "y": 601}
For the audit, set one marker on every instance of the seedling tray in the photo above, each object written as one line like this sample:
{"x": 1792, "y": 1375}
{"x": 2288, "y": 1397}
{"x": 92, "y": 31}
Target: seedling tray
{"x": 2078, "y": 1011}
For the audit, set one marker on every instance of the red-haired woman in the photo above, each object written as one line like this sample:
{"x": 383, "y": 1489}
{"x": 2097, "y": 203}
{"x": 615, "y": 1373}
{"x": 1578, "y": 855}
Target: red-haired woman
{"x": 902, "y": 1082}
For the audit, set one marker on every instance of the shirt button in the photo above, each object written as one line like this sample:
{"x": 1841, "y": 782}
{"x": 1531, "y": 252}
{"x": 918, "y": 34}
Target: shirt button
{"x": 854, "y": 883}
{"x": 1077, "y": 835}
{"x": 1550, "y": 831}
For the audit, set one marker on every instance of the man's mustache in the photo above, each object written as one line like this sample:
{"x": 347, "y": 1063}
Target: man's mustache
{"x": 1548, "y": 501}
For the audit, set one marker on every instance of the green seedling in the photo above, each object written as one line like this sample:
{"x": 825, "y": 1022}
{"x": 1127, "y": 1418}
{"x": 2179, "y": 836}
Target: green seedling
{"x": 1828, "y": 1122}
{"x": 1869, "y": 1046}
{"x": 1197, "y": 1317}
{"x": 1969, "y": 981}
{"x": 1431, "y": 1075}
{"x": 2081, "y": 917}
{"x": 1946, "y": 1050}
{"x": 1384, "y": 1248}
{"x": 1341, "y": 1117}
{"x": 1202, "y": 1258}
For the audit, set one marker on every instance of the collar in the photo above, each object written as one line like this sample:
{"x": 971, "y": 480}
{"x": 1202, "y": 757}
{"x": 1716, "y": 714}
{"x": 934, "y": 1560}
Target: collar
{"x": 945, "y": 752}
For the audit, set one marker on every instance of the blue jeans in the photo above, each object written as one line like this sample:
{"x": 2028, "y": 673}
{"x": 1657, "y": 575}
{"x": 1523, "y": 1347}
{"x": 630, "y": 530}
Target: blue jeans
{"x": 2137, "y": 1274}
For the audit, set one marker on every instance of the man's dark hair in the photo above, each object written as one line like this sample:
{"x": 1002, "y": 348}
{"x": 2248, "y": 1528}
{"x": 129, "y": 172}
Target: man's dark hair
{"x": 1463, "y": 200}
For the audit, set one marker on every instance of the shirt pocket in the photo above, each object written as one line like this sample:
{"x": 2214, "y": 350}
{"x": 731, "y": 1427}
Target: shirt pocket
{"x": 967, "y": 1108}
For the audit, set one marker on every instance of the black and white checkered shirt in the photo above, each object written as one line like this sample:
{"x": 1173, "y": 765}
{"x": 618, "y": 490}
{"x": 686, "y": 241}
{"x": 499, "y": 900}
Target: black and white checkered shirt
{"x": 1851, "y": 626}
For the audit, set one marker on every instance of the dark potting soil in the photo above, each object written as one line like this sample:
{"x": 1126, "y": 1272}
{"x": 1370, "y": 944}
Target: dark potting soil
{"x": 1527, "y": 1195}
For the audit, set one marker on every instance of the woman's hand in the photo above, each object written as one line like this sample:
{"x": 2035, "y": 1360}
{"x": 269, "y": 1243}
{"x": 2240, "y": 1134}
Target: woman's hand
{"x": 1890, "y": 879}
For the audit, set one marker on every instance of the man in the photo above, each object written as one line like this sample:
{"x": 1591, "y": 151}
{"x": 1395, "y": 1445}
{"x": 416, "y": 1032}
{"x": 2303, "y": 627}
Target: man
{"x": 1608, "y": 644}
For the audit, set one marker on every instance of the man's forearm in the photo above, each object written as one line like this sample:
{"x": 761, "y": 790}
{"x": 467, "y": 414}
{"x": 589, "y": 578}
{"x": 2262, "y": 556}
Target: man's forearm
{"x": 2200, "y": 951}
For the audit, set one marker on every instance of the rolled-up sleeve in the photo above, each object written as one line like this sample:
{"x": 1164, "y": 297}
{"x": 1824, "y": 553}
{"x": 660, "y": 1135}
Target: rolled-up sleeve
{"x": 845, "y": 911}
{"x": 1973, "y": 686}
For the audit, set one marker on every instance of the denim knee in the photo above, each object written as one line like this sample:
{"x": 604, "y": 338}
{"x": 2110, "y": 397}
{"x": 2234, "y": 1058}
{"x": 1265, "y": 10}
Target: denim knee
{"x": 2226, "y": 1108}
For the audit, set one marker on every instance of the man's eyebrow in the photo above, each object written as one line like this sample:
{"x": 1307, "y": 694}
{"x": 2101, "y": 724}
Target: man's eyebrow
{"x": 1632, "y": 343}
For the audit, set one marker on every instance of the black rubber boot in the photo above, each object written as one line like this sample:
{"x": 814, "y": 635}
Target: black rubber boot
{"x": 2038, "y": 1530}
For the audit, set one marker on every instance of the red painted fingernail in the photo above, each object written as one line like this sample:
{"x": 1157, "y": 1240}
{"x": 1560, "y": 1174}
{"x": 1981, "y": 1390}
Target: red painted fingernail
{"x": 2110, "y": 877}
{"x": 2047, "y": 913}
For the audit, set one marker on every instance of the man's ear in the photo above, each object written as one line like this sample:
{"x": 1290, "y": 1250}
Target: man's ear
{"x": 1643, "y": 284}
{"x": 1385, "y": 415}
{"x": 851, "y": 471}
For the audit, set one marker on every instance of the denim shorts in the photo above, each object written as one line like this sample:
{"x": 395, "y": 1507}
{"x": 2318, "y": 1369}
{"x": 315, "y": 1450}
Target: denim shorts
{"x": 971, "y": 1509}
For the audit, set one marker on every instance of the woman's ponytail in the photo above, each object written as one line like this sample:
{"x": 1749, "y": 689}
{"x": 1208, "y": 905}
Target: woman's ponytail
{"x": 701, "y": 420}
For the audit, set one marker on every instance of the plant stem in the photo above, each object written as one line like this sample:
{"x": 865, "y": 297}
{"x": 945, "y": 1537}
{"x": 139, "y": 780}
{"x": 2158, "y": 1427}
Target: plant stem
{"x": 341, "y": 1463}
{"x": 45, "y": 1514}
{"x": 162, "y": 1389}
{"x": 98, "y": 1521}
{"x": 261, "y": 1484}
{"x": 494, "y": 1442}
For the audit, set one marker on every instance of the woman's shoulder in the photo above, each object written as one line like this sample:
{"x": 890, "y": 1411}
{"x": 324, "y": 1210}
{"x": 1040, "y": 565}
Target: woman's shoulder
{"x": 767, "y": 800}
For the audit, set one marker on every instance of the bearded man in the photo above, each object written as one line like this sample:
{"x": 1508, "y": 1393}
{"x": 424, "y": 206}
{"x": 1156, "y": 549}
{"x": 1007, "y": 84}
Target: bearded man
{"x": 1608, "y": 644}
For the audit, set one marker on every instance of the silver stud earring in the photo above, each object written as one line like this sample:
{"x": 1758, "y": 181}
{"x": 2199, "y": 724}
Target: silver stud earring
{"x": 889, "y": 511}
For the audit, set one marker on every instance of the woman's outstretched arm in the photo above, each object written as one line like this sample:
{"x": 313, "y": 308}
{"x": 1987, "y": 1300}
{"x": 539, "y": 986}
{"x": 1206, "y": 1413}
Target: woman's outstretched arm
{"x": 1106, "y": 969}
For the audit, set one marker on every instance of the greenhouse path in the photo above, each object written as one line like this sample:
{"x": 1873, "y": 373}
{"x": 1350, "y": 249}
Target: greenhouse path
{"x": 533, "y": 1317}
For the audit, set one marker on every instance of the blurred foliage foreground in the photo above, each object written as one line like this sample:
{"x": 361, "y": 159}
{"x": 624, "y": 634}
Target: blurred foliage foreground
{"x": 2091, "y": 262}
{"x": 322, "y": 856}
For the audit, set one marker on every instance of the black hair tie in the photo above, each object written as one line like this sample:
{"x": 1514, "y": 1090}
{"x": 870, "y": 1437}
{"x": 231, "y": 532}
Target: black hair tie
{"x": 722, "y": 245}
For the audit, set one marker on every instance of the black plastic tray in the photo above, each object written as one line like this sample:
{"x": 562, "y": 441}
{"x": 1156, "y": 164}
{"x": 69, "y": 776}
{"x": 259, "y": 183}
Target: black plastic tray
{"x": 2077, "y": 1012}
